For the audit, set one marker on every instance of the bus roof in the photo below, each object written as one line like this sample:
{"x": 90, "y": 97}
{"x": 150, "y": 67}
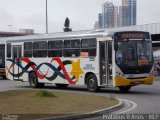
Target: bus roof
{"x": 3, "y": 40}
{"x": 66, "y": 35}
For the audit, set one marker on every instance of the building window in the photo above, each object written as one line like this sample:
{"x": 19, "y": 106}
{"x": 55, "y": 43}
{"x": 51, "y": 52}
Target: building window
{"x": 55, "y": 48}
{"x": 28, "y": 49}
{"x": 88, "y": 47}
{"x": 40, "y": 49}
{"x": 71, "y": 48}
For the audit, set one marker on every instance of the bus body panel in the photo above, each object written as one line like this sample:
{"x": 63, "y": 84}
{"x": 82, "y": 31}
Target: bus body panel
{"x": 73, "y": 70}
{"x": 120, "y": 81}
{"x": 48, "y": 68}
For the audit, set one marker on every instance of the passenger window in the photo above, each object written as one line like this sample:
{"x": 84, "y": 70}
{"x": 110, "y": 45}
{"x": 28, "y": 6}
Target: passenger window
{"x": 55, "y": 48}
{"x": 28, "y": 47}
{"x": 40, "y": 49}
{"x": 71, "y": 48}
{"x": 88, "y": 47}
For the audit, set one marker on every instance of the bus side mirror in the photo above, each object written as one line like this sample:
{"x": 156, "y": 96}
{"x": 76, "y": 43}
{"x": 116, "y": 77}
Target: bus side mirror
{"x": 115, "y": 46}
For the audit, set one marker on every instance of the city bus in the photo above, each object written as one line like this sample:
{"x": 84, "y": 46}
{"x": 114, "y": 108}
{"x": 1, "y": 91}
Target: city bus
{"x": 2, "y": 58}
{"x": 95, "y": 59}
{"x": 156, "y": 54}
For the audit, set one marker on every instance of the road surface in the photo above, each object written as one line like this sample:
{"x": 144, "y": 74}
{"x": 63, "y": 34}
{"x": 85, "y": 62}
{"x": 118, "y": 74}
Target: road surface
{"x": 147, "y": 98}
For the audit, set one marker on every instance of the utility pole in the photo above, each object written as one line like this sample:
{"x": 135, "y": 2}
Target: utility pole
{"x": 46, "y": 17}
{"x": 10, "y": 29}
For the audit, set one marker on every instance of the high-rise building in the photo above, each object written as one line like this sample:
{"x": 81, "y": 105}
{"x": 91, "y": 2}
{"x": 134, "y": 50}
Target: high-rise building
{"x": 100, "y": 20}
{"x": 115, "y": 14}
{"x": 120, "y": 16}
{"x": 124, "y": 16}
{"x": 127, "y": 12}
{"x": 96, "y": 25}
{"x": 110, "y": 15}
{"x": 133, "y": 12}
{"x": 125, "y": 2}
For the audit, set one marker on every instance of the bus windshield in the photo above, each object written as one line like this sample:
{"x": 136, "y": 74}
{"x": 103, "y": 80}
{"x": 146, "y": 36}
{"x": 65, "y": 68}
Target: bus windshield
{"x": 134, "y": 53}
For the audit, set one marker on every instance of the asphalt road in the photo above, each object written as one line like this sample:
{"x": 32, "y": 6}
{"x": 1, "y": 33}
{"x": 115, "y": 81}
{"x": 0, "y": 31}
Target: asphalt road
{"x": 146, "y": 97}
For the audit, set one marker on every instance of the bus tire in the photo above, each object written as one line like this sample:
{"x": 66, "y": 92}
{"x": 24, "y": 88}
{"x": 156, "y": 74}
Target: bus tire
{"x": 92, "y": 84}
{"x": 124, "y": 88}
{"x": 61, "y": 85}
{"x": 33, "y": 81}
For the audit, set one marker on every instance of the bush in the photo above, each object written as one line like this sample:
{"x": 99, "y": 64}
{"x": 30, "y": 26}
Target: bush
{"x": 44, "y": 94}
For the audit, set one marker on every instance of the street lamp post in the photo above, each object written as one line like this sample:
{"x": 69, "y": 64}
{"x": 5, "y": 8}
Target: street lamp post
{"x": 46, "y": 17}
{"x": 10, "y": 28}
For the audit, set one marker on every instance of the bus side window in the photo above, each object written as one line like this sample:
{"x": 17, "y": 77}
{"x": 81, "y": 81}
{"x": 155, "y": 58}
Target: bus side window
{"x": 55, "y": 48}
{"x": 8, "y": 50}
{"x": 2, "y": 55}
{"x": 88, "y": 47}
{"x": 40, "y": 49}
{"x": 28, "y": 47}
{"x": 71, "y": 48}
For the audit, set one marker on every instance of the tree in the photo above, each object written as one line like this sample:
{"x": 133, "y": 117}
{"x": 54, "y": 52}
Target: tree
{"x": 66, "y": 25}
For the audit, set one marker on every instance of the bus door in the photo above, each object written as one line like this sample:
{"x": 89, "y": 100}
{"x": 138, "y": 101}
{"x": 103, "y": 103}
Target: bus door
{"x": 17, "y": 54}
{"x": 106, "y": 63}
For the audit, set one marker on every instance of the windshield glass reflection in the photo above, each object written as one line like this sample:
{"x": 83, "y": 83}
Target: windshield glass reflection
{"x": 135, "y": 53}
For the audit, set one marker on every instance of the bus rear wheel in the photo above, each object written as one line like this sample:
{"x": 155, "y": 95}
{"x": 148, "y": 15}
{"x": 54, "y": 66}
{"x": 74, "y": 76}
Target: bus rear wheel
{"x": 61, "y": 85}
{"x": 124, "y": 88}
{"x": 92, "y": 84}
{"x": 33, "y": 80}
{"x": 4, "y": 77}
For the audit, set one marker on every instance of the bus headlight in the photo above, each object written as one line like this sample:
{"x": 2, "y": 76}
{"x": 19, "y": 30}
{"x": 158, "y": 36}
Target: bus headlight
{"x": 120, "y": 74}
{"x": 151, "y": 73}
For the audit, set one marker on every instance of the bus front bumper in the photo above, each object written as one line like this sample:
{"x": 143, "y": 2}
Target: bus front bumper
{"x": 119, "y": 81}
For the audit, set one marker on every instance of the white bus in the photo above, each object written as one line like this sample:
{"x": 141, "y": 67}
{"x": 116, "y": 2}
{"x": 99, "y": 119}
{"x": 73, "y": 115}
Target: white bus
{"x": 2, "y": 57}
{"x": 156, "y": 51}
{"x": 96, "y": 59}
{"x": 156, "y": 55}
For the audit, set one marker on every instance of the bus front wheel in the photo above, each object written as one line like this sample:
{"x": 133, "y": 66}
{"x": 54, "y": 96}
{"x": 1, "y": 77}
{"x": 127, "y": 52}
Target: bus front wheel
{"x": 33, "y": 80}
{"x": 92, "y": 84}
{"x": 124, "y": 88}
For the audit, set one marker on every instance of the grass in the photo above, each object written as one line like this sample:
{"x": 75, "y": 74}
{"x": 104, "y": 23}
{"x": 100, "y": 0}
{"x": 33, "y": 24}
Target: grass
{"x": 40, "y": 104}
{"x": 44, "y": 94}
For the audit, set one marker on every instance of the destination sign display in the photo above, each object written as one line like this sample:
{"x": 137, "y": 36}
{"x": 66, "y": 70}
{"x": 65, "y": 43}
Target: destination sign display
{"x": 132, "y": 35}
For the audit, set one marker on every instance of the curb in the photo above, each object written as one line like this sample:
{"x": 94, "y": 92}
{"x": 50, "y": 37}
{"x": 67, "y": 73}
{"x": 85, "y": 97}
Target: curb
{"x": 156, "y": 78}
{"x": 91, "y": 114}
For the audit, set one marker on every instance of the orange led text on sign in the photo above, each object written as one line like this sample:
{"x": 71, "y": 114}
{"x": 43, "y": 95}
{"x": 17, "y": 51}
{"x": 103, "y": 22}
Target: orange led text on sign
{"x": 132, "y": 35}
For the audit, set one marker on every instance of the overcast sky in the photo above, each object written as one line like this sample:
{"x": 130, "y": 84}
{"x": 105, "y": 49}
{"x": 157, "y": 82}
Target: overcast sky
{"x": 82, "y": 13}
